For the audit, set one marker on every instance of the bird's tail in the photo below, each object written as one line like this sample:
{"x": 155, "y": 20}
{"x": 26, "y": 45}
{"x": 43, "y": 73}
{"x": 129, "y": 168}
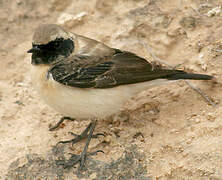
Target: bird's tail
{"x": 189, "y": 76}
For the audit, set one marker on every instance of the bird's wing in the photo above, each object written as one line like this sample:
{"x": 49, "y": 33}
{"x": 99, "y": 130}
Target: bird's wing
{"x": 106, "y": 72}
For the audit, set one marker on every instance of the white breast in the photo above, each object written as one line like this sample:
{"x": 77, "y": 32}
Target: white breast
{"x": 84, "y": 102}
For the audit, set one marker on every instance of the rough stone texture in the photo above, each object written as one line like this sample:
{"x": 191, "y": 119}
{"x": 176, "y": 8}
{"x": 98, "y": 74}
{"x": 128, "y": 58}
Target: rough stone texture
{"x": 131, "y": 165}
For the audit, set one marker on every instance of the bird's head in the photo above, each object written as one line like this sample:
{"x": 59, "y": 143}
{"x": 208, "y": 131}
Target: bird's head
{"x": 50, "y": 42}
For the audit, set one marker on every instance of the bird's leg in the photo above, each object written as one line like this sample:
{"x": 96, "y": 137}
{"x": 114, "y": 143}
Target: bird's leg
{"x": 87, "y": 133}
{"x": 60, "y": 122}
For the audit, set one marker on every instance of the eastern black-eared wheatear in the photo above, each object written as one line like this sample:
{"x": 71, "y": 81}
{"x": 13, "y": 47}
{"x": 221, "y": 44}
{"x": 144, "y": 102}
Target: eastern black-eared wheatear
{"x": 83, "y": 78}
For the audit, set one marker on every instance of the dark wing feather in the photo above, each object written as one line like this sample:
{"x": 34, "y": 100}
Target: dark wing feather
{"x": 118, "y": 69}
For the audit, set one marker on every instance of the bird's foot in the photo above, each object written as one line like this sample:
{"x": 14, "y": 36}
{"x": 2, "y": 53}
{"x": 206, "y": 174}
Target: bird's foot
{"x": 75, "y": 158}
{"x": 87, "y": 133}
{"x": 52, "y": 128}
{"x": 83, "y": 135}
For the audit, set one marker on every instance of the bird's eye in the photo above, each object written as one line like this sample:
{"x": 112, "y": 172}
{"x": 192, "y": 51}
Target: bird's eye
{"x": 56, "y": 44}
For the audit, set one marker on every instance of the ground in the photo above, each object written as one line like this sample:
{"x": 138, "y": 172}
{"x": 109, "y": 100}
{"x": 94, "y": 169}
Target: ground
{"x": 168, "y": 132}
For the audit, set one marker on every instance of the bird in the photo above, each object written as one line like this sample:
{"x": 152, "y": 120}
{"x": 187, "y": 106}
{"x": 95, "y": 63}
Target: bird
{"x": 83, "y": 78}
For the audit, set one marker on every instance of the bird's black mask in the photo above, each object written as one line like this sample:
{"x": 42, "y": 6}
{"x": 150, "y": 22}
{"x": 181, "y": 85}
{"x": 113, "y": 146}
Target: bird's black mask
{"x": 48, "y": 53}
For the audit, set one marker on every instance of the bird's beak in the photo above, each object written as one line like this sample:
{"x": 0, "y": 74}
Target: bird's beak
{"x": 33, "y": 49}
